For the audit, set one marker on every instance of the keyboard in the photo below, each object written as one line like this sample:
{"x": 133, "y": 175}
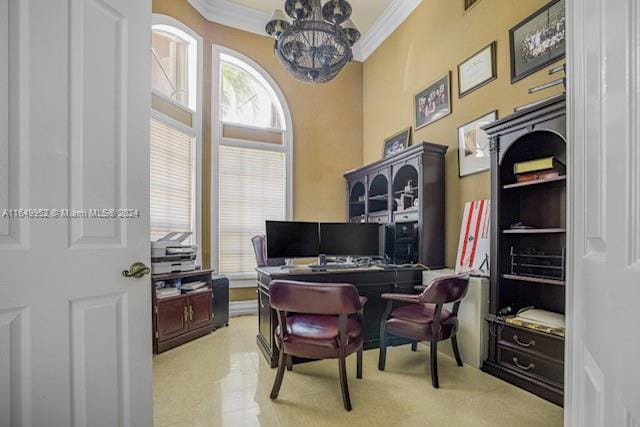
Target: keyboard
{"x": 334, "y": 266}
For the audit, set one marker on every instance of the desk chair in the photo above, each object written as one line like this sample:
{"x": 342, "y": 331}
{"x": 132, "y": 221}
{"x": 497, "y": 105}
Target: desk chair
{"x": 423, "y": 318}
{"x": 259, "y": 243}
{"x": 327, "y": 324}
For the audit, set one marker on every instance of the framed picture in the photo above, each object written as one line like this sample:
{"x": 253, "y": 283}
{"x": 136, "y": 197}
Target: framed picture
{"x": 397, "y": 142}
{"x": 468, "y": 4}
{"x": 433, "y": 102}
{"x": 538, "y": 41}
{"x": 478, "y": 70}
{"x": 473, "y": 145}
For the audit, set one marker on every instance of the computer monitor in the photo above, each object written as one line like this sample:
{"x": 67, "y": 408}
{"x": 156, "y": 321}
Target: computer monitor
{"x": 288, "y": 239}
{"x": 349, "y": 239}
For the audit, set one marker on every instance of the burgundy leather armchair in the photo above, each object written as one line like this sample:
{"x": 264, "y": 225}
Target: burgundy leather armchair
{"x": 423, "y": 318}
{"x": 323, "y": 321}
{"x": 259, "y": 243}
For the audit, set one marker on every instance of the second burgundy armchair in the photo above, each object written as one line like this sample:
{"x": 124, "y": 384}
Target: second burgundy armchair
{"x": 423, "y": 318}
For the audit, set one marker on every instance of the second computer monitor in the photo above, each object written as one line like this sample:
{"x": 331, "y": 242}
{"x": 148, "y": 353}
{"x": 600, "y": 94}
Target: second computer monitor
{"x": 349, "y": 239}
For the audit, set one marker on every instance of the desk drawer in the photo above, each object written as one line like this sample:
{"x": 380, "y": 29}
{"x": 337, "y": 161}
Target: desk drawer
{"x": 528, "y": 364}
{"x": 532, "y": 342}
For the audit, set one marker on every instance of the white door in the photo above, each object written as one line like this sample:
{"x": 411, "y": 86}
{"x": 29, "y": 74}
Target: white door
{"x": 75, "y": 335}
{"x": 604, "y": 105}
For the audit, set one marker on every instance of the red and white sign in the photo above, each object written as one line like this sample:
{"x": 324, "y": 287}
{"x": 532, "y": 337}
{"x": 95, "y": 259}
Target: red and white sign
{"x": 474, "y": 244}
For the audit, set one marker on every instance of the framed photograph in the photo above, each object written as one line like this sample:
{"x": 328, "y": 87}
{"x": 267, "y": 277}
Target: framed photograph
{"x": 473, "y": 145}
{"x": 478, "y": 70}
{"x": 397, "y": 143}
{"x": 538, "y": 41}
{"x": 433, "y": 102}
{"x": 468, "y": 4}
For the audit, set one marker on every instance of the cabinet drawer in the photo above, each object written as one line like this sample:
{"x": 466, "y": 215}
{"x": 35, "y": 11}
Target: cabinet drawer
{"x": 379, "y": 218}
{"x": 533, "y": 342}
{"x": 531, "y": 365}
{"x": 405, "y": 216}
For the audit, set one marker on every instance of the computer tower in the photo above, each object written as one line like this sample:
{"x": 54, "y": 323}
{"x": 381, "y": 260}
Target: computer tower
{"x": 401, "y": 243}
{"x": 220, "y": 295}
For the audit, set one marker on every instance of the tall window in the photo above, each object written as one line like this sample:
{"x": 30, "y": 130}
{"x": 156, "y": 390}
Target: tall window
{"x": 175, "y": 129}
{"x": 253, "y": 174}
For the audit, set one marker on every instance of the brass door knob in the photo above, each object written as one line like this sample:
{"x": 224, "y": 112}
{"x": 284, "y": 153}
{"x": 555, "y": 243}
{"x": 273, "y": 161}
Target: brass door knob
{"x": 137, "y": 270}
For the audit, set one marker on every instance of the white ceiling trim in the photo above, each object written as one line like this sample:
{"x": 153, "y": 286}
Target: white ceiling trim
{"x": 232, "y": 14}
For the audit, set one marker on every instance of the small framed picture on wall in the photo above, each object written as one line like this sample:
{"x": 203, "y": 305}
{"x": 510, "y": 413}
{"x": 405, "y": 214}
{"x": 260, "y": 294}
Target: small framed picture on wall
{"x": 396, "y": 143}
{"x": 433, "y": 102}
{"x": 468, "y": 4}
{"x": 478, "y": 70}
{"x": 473, "y": 145}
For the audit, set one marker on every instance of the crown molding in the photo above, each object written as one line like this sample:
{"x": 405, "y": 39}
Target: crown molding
{"x": 391, "y": 18}
{"x": 234, "y": 15}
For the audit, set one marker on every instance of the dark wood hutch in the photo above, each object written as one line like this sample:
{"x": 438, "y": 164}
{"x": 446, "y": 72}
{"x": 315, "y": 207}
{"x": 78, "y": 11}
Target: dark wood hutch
{"x": 528, "y": 358}
{"x": 373, "y": 189}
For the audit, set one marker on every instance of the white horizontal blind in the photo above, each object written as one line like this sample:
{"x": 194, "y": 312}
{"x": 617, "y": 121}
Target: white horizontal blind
{"x": 172, "y": 180}
{"x": 252, "y": 189}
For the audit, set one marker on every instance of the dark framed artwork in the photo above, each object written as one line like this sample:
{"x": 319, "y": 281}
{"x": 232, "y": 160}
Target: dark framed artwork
{"x": 473, "y": 145}
{"x": 396, "y": 143}
{"x": 433, "y": 102}
{"x": 468, "y": 4}
{"x": 538, "y": 41}
{"x": 478, "y": 70}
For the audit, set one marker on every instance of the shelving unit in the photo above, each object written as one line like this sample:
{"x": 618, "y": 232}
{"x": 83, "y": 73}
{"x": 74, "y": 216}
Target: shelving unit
{"x": 527, "y": 265}
{"x": 418, "y": 231}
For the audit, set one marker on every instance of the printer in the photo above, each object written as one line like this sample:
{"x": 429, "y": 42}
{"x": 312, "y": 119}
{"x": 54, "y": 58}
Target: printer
{"x": 170, "y": 255}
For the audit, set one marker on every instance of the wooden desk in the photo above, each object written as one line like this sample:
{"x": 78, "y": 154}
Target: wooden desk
{"x": 371, "y": 283}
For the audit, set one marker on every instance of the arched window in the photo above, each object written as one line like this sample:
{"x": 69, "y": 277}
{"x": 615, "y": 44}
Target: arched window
{"x": 176, "y": 129}
{"x": 252, "y": 142}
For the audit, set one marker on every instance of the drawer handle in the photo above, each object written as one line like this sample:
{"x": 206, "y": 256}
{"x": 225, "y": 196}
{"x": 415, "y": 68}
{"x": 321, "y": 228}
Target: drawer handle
{"x": 526, "y": 368}
{"x": 523, "y": 344}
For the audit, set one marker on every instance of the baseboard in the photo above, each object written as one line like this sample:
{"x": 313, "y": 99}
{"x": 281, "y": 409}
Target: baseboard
{"x": 241, "y": 308}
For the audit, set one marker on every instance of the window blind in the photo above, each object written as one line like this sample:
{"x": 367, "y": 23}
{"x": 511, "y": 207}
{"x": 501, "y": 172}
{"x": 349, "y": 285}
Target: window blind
{"x": 252, "y": 189}
{"x": 172, "y": 180}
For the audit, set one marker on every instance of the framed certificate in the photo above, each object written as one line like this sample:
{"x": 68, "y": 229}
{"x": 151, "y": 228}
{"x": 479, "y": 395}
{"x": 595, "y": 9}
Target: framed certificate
{"x": 477, "y": 71}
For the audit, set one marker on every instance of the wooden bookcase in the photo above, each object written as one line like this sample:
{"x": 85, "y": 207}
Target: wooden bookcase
{"x": 373, "y": 189}
{"x": 527, "y": 358}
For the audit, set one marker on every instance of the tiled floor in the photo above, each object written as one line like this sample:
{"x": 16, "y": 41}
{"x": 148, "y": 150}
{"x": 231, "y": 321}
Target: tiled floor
{"x": 223, "y": 380}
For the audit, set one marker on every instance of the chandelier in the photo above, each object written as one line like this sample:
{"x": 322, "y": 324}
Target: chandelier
{"x": 317, "y": 44}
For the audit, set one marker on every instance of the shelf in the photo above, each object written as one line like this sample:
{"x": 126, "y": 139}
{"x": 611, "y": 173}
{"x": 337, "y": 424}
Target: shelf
{"x": 357, "y": 202}
{"x": 536, "y": 182}
{"x": 378, "y": 213}
{"x": 533, "y": 279}
{"x": 402, "y": 191}
{"x": 535, "y": 231}
{"x": 381, "y": 197}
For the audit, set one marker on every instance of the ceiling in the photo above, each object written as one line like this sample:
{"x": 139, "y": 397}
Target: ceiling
{"x": 365, "y": 12}
{"x": 376, "y": 19}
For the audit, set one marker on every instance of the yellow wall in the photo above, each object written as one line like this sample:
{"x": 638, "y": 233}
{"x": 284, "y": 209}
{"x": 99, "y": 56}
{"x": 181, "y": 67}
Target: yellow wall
{"x": 434, "y": 39}
{"x": 327, "y": 123}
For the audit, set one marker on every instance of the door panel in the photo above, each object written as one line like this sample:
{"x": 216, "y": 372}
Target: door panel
{"x": 74, "y": 132}
{"x": 200, "y": 310}
{"x": 604, "y": 99}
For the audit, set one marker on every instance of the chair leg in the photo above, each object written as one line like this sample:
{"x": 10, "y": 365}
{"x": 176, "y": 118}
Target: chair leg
{"x": 343, "y": 382}
{"x": 382, "y": 358}
{"x": 289, "y": 363}
{"x": 359, "y": 363}
{"x": 279, "y": 376}
{"x": 414, "y": 346}
{"x": 456, "y": 350}
{"x": 434, "y": 364}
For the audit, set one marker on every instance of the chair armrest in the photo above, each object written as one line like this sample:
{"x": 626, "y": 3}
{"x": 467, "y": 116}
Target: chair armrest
{"x": 415, "y": 299}
{"x": 420, "y": 287}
